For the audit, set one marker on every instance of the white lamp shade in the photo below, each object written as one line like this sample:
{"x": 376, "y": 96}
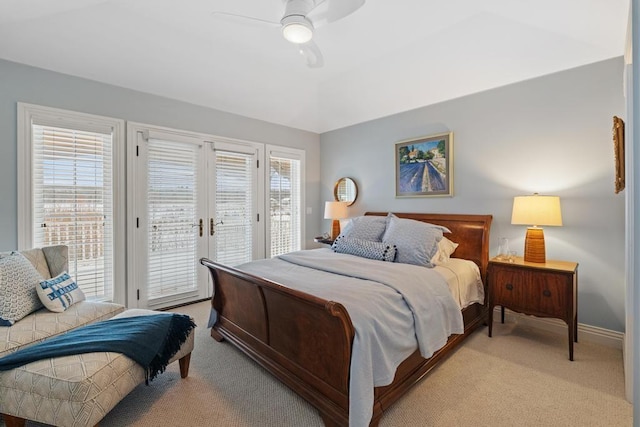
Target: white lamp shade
{"x": 335, "y": 210}
{"x": 536, "y": 210}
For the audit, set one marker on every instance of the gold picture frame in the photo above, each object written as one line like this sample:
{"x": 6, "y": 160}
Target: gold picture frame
{"x": 424, "y": 166}
{"x": 618, "y": 152}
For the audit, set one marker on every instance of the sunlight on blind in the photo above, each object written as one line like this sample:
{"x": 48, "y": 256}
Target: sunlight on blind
{"x": 285, "y": 203}
{"x": 172, "y": 212}
{"x": 73, "y": 202}
{"x": 234, "y": 207}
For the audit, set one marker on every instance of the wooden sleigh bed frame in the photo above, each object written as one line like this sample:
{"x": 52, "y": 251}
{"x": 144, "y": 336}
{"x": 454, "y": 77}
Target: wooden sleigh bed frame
{"x": 306, "y": 341}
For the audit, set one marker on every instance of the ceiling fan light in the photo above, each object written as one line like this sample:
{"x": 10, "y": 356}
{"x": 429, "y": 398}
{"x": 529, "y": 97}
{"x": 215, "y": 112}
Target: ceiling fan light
{"x": 296, "y": 29}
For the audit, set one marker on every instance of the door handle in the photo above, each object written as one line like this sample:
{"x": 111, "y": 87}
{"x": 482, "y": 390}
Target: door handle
{"x": 212, "y": 226}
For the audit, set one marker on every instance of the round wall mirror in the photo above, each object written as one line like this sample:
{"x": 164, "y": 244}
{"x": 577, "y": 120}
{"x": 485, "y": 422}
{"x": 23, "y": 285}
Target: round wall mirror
{"x": 345, "y": 190}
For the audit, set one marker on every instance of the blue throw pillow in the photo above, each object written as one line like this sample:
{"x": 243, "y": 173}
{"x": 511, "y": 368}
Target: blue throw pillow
{"x": 380, "y": 251}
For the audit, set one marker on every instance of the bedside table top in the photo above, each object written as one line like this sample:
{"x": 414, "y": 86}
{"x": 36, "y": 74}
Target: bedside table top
{"x": 551, "y": 264}
{"x": 321, "y": 239}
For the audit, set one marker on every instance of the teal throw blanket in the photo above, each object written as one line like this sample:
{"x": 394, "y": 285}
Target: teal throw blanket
{"x": 151, "y": 341}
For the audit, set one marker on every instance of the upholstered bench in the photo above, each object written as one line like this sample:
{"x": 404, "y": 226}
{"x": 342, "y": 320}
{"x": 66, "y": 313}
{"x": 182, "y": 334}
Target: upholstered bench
{"x": 75, "y": 390}
{"x": 71, "y": 390}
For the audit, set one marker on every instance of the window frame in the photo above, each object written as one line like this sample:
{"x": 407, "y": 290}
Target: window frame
{"x": 27, "y": 114}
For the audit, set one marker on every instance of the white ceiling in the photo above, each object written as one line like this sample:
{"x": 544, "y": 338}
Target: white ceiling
{"x": 387, "y": 57}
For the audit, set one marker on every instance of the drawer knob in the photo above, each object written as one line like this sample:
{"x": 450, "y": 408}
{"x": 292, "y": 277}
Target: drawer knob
{"x": 509, "y": 286}
{"x": 546, "y": 293}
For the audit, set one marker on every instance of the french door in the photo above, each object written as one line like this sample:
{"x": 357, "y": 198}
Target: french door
{"x": 235, "y": 201}
{"x": 192, "y": 198}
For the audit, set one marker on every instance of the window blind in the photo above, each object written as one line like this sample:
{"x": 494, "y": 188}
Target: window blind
{"x": 234, "y": 207}
{"x": 173, "y": 223}
{"x": 73, "y": 201}
{"x": 285, "y": 205}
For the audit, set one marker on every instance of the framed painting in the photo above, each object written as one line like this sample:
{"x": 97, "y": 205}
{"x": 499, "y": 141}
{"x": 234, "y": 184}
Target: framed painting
{"x": 424, "y": 166}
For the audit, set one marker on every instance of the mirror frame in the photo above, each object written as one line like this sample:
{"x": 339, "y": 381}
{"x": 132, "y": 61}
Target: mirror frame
{"x": 347, "y": 180}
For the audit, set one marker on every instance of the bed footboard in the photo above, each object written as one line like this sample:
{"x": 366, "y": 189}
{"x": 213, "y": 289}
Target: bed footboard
{"x": 303, "y": 340}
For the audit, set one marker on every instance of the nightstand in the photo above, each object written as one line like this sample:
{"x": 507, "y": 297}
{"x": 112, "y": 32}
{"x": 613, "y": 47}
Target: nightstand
{"x": 321, "y": 239}
{"x": 547, "y": 289}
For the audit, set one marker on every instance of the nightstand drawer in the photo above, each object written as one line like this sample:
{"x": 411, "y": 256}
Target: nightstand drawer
{"x": 537, "y": 294}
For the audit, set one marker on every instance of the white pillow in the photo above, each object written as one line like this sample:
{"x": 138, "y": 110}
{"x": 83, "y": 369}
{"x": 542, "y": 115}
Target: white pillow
{"x": 59, "y": 293}
{"x": 445, "y": 248}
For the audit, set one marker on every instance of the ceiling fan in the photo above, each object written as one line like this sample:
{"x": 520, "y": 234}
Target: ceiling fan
{"x": 299, "y": 20}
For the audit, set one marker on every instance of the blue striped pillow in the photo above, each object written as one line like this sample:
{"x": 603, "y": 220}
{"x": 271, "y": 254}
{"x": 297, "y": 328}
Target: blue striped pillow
{"x": 59, "y": 293}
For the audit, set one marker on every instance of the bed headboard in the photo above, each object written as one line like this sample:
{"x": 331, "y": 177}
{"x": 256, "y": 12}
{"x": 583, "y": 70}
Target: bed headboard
{"x": 471, "y": 232}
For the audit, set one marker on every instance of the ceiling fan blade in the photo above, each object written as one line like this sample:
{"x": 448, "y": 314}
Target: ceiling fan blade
{"x": 326, "y": 11}
{"x": 243, "y": 18}
{"x": 312, "y": 54}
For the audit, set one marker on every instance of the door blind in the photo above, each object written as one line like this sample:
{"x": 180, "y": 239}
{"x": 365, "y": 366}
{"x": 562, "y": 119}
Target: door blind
{"x": 285, "y": 205}
{"x": 173, "y": 223}
{"x": 234, "y": 207}
{"x": 73, "y": 202}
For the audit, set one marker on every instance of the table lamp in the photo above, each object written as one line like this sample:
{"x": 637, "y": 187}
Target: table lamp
{"x": 335, "y": 211}
{"x": 535, "y": 211}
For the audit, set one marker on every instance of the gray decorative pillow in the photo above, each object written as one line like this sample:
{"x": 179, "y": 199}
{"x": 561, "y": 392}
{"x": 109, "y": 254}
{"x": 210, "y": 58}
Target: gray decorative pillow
{"x": 18, "y": 281}
{"x": 365, "y": 228}
{"x": 365, "y": 248}
{"x": 417, "y": 242}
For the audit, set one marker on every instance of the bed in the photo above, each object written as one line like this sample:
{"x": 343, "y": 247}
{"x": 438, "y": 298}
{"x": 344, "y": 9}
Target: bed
{"x": 307, "y": 341}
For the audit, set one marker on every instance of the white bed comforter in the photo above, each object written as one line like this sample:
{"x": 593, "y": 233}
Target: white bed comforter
{"x": 395, "y": 308}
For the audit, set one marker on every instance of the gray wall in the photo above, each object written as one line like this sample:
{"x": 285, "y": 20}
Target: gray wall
{"x": 37, "y": 86}
{"x": 550, "y": 135}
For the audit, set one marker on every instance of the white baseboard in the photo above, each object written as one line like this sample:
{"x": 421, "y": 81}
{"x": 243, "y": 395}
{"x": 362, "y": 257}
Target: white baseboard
{"x": 588, "y": 333}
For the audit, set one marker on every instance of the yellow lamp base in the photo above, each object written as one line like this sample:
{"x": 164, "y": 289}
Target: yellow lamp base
{"x": 534, "y": 245}
{"x": 335, "y": 229}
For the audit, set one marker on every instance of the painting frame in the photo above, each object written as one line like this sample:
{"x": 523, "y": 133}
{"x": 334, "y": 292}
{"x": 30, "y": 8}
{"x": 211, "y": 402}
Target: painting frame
{"x": 424, "y": 166}
{"x": 618, "y": 153}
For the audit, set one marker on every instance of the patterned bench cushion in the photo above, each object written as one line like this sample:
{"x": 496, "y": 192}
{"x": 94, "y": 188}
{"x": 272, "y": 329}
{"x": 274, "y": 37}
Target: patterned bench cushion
{"x": 71, "y": 390}
{"x": 44, "y": 323}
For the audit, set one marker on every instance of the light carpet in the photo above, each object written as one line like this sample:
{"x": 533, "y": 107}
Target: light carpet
{"x": 521, "y": 376}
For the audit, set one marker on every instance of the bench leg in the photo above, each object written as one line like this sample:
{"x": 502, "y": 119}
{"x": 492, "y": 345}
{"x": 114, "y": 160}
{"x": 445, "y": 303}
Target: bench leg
{"x": 11, "y": 421}
{"x": 184, "y": 366}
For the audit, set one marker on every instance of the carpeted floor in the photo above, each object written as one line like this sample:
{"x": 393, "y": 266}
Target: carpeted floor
{"x": 519, "y": 377}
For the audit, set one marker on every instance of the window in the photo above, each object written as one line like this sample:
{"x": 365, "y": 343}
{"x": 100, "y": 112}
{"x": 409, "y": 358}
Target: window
{"x": 189, "y": 196}
{"x": 68, "y": 187}
{"x": 285, "y": 200}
